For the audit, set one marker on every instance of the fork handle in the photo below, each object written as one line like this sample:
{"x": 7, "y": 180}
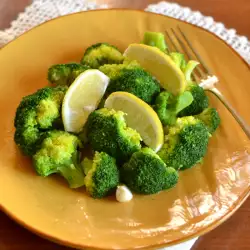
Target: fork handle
{"x": 238, "y": 118}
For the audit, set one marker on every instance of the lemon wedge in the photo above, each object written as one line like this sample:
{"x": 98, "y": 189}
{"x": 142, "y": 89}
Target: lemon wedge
{"x": 139, "y": 116}
{"x": 160, "y": 65}
{"x": 83, "y": 97}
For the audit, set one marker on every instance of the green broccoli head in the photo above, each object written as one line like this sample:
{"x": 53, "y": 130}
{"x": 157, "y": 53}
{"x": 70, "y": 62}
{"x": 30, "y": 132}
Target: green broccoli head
{"x": 113, "y": 70}
{"x": 210, "y": 118}
{"x": 59, "y": 154}
{"x": 65, "y": 74}
{"x": 146, "y": 173}
{"x": 102, "y": 174}
{"x": 133, "y": 79}
{"x": 36, "y": 113}
{"x": 100, "y": 54}
{"x": 28, "y": 139}
{"x": 199, "y": 103}
{"x": 167, "y": 106}
{"x": 185, "y": 144}
{"x": 171, "y": 178}
{"x": 107, "y": 132}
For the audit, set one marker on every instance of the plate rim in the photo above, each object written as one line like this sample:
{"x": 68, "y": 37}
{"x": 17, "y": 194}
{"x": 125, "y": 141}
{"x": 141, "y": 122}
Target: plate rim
{"x": 65, "y": 242}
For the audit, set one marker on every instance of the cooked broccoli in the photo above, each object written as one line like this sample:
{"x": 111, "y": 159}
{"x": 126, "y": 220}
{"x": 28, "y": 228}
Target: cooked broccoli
{"x": 178, "y": 59}
{"x": 59, "y": 154}
{"x": 102, "y": 175}
{"x": 188, "y": 69}
{"x": 146, "y": 173}
{"x": 167, "y": 106}
{"x": 100, "y": 54}
{"x": 155, "y": 39}
{"x": 107, "y": 132}
{"x": 171, "y": 178}
{"x": 65, "y": 74}
{"x": 199, "y": 103}
{"x": 211, "y": 119}
{"x": 36, "y": 113}
{"x": 113, "y": 70}
{"x": 133, "y": 79}
{"x": 185, "y": 144}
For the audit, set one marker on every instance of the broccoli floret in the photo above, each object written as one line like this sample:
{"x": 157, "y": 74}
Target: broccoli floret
{"x": 167, "y": 106}
{"x": 36, "y": 113}
{"x": 185, "y": 144}
{"x": 210, "y": 118}
{"x": 65, "y": 74}
{"x": 133, "y": 79}
{"x": 146, "y": 173}
{"x": 100, "y": 54}
{"x": 155, "y": 39}
{"x": 102, "y": 175}
{"x": 199, "y": 103}
{"x": 59, "y": 154}
{"x": 171, "y": 178}
{"x": 107, "y": 132}
{"x": 113, "y": 70}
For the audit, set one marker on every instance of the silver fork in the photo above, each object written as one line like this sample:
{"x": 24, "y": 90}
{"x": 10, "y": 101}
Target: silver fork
{"x": 202, "y": 74}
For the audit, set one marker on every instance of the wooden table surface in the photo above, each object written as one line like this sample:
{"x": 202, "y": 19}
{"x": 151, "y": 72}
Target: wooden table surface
{"x": 232, "y": 234}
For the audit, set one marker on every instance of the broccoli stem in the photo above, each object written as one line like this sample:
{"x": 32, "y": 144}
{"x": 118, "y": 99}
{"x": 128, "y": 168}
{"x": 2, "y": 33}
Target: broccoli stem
{"x": 178, "y": 59}
{"x": 155, "y": 39}
{"x": 168, "y": 106}
{"x": 189, "y": 69}
{"x": 86, "y": 165}
{"x": 73, "y": 172}
{"x": 183, "y": 101}
{"x": 73, "y": 175}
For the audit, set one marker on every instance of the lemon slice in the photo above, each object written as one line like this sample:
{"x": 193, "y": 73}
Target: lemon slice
{"x": 160, "y": 65}
{"x": 83, "y": 97}
{"x": 139, "y": 116}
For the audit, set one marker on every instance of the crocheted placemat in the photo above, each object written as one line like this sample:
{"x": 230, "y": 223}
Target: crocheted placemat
{"x": 42, "y": 10}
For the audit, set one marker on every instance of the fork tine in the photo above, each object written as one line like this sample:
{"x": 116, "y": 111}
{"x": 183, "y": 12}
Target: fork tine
{"x": 188, "y": 54}
{"x": 173, "y": 43}
{"x": 208, "y": 71}
{"x": 171, "y": 40}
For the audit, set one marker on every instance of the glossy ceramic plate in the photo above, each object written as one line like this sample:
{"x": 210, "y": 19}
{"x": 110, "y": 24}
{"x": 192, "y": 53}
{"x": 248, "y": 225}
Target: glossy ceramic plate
{"x": 205, "y": 196}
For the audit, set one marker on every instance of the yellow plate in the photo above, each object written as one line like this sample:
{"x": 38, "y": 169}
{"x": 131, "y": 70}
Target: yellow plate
{"x": 205, "y": 196}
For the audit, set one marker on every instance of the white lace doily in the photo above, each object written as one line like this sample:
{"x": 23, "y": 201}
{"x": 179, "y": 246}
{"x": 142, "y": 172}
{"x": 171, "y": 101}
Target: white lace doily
{"x": 240, "y": 43}
{"x": 42, "y": 10}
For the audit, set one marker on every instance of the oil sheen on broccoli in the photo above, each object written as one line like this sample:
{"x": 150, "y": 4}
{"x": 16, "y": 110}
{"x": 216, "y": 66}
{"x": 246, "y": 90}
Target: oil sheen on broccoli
{"x": 130, "y": 77}
{"x": 59, "y": 154}
{"x": 107, "y": 132}
{"x": 35, "y": 114}
{"x": 185, "y": 144}
{"x": 210, "y": 118}
{"x": 100, "y": 54}
{"x": 102, "y": 175}
{"x": 199, "y": 103}
{"x": 167, "y": 106}
{"x": 65, "y": 74}
{"x": 146, "y": 173}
